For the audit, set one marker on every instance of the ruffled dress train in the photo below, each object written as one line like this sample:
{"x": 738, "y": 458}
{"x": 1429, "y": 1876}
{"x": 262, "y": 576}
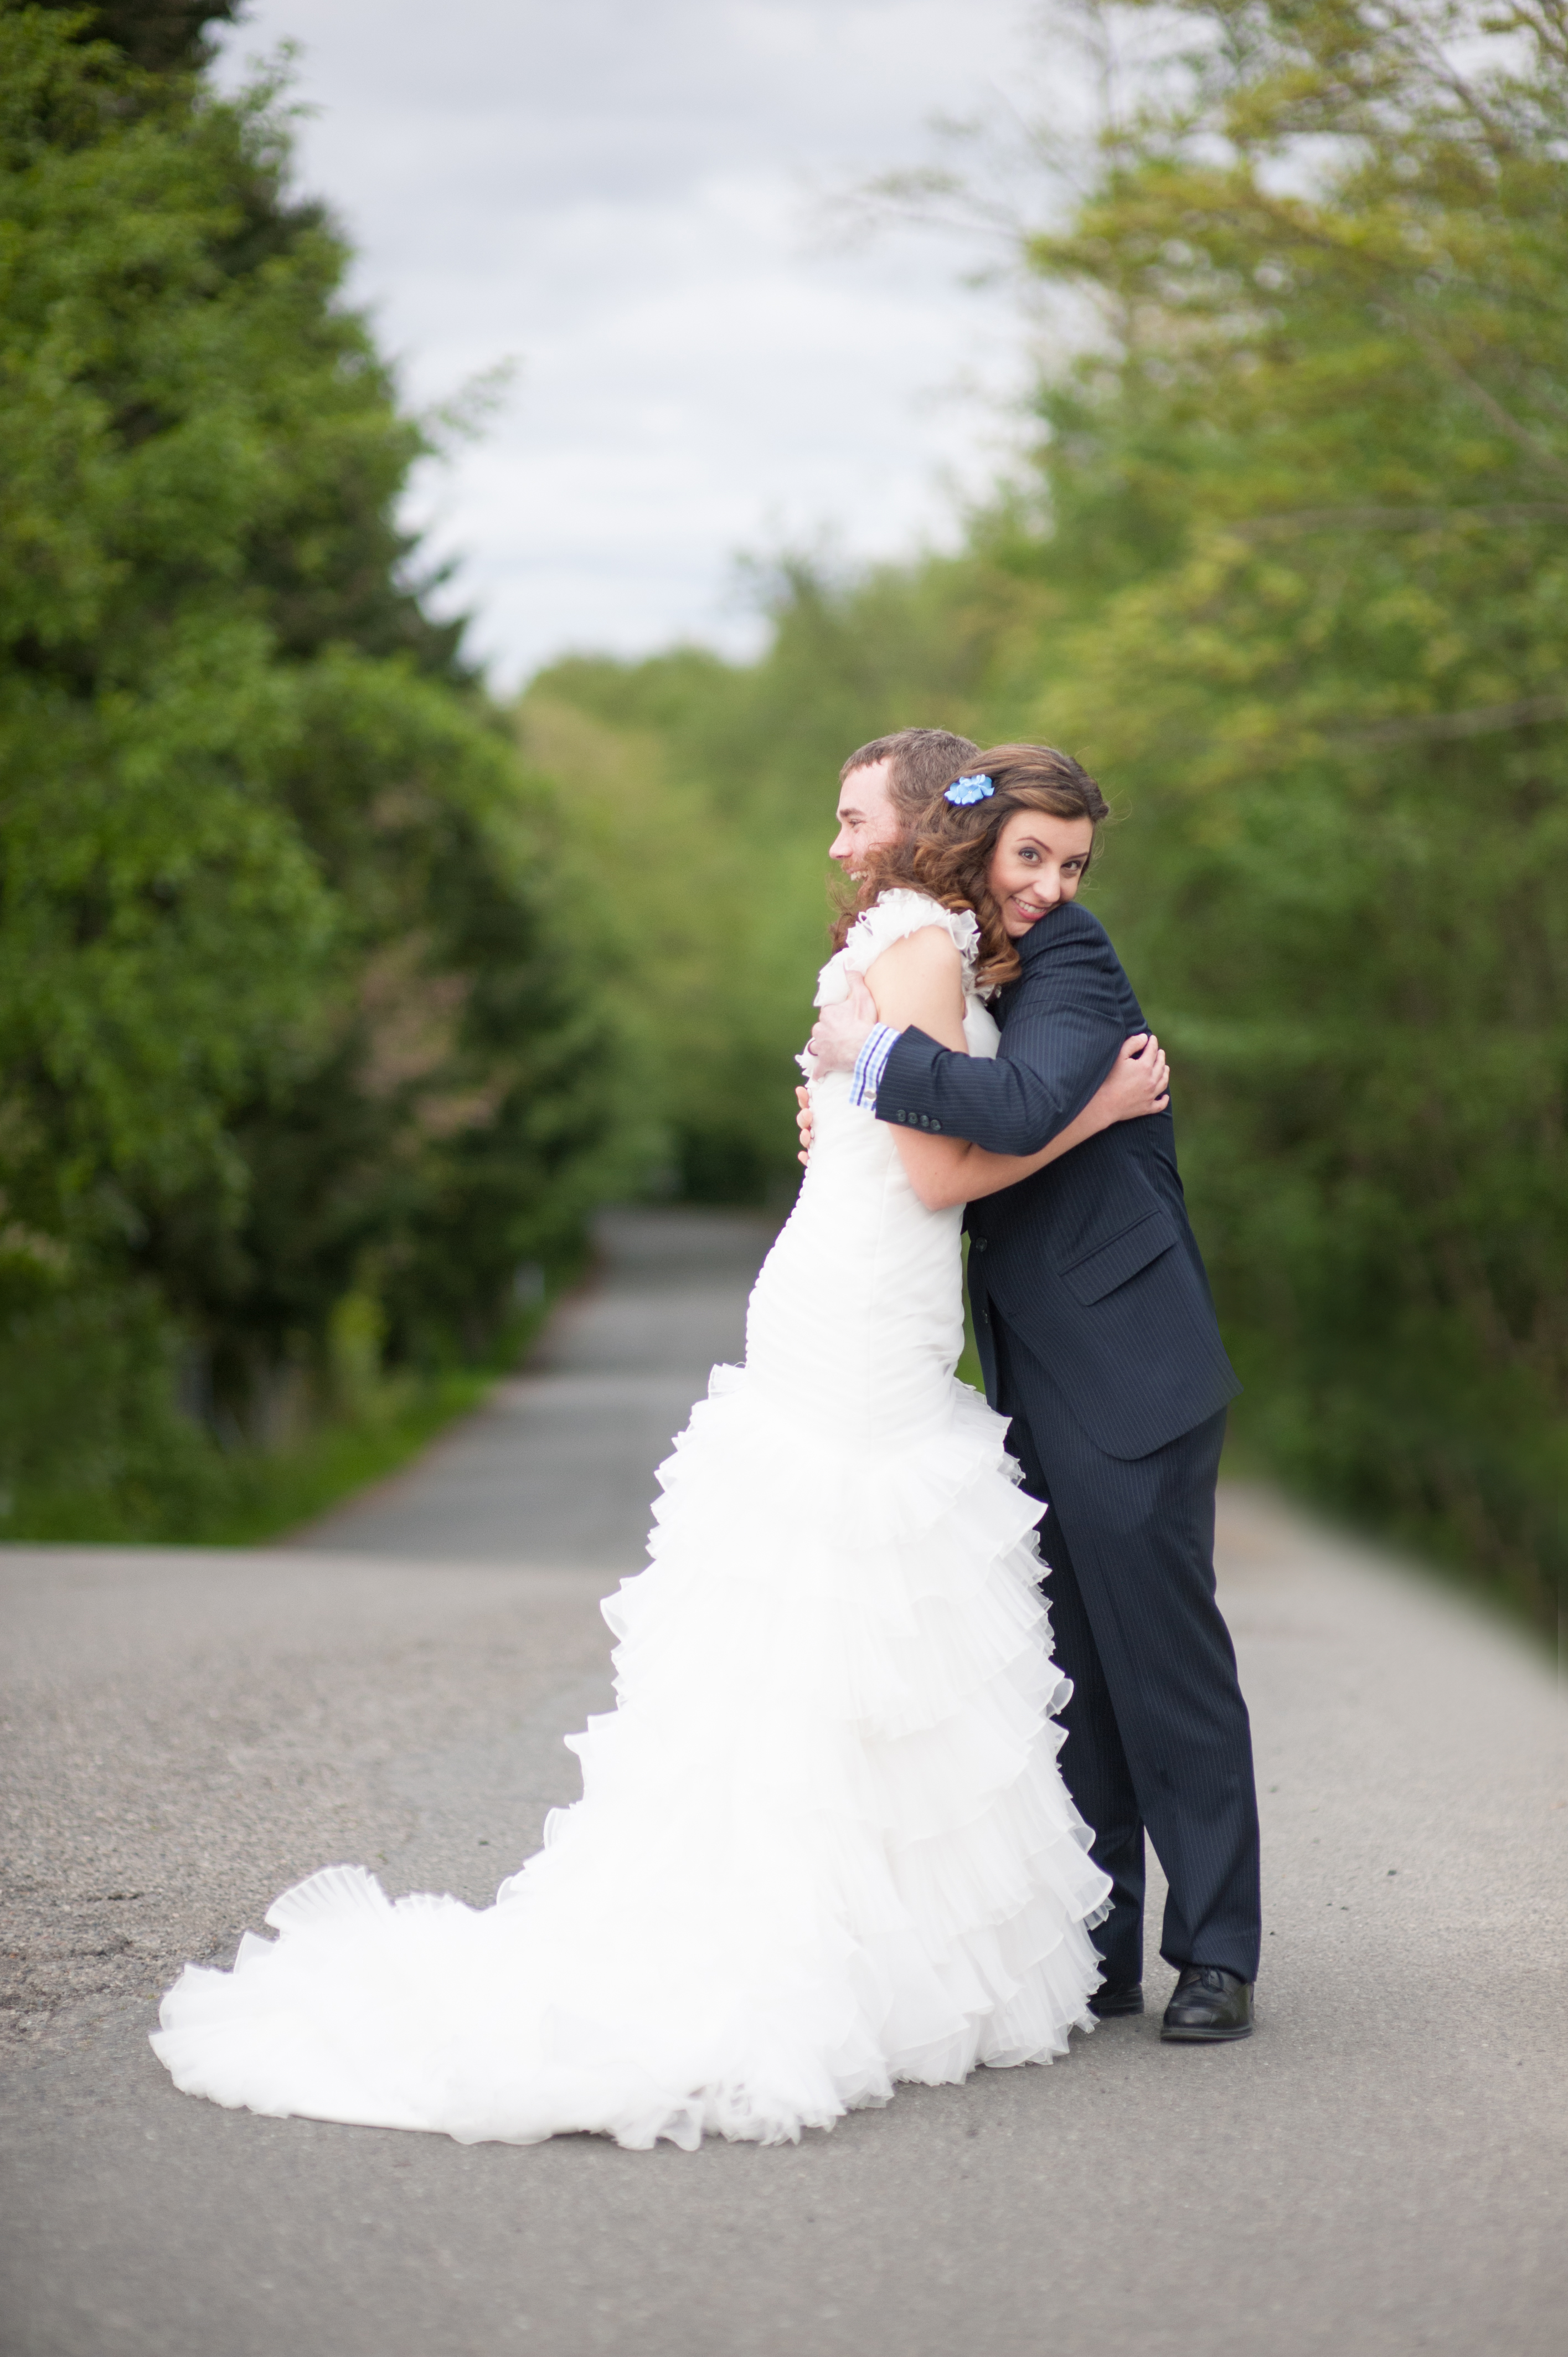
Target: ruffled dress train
{"x": 824, "y": 1845}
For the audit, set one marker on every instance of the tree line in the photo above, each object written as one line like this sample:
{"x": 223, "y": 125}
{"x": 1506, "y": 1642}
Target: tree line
{"x": 330, "y": 994}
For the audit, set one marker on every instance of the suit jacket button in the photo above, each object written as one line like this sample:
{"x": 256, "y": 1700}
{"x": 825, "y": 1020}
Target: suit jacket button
{"x": 979, "y": 1243}
{"x": 937, "y": 1127}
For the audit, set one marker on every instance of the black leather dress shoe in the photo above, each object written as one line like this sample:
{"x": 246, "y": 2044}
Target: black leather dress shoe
{"x": 1207, "y": 2007}
{"x": 1110, "y": 2002}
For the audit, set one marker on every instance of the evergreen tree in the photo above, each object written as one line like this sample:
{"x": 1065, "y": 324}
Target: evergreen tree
{"x": 288, "y": 1013}
{"x": 163, "y": 36}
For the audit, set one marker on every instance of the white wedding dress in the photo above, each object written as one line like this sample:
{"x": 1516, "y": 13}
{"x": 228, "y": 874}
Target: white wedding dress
{"x": 822, "y": 1845}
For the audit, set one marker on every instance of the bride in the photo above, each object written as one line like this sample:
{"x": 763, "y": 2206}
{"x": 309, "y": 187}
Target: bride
{"x": 822, "y": 1843}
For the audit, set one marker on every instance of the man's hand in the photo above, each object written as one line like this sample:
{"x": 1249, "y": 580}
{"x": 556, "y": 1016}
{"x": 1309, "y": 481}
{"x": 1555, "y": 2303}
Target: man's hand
{"x": 841, "y": 1031}
{"x": 805, "y": 1122}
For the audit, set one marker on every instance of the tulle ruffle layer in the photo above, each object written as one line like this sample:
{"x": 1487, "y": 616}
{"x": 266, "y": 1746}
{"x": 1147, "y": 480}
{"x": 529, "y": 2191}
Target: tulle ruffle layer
{"x": 823, "y": 1846}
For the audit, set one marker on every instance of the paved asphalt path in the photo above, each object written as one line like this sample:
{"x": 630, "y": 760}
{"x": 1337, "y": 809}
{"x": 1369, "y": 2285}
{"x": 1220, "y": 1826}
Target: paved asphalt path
{"x": 1381, "y": 2169}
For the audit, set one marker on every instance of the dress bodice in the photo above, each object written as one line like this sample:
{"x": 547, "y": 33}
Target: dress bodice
{"x": 860, "y": 1254}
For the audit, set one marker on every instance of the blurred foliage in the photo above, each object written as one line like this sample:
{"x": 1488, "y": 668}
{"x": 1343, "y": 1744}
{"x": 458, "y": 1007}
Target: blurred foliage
{"x": 1333, "y": 405}
{"x": 161, "y": 35}
{"x": 328, "y": 997}
{"x": 294, "y": 1012}
{"x": 1289, "y": 569}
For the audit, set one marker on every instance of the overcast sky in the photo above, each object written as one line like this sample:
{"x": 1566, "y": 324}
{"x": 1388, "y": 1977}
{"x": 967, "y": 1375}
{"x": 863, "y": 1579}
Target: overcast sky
{"x": 618, "y": 194}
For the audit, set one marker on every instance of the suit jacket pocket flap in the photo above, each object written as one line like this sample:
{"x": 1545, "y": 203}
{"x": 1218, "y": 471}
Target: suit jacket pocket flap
{"x": 1109, "y": 1266}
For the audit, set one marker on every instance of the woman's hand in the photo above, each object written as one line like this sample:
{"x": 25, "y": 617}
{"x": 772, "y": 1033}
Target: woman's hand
{"x": 1138, "y": 1084}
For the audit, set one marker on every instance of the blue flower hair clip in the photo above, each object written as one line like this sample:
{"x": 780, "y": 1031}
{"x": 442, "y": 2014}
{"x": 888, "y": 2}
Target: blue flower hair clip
{"x": 964, "y": 791}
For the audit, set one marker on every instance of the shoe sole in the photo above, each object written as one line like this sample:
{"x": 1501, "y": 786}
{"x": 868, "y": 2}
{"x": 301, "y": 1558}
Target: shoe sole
{"x": 1206, "y": 2037}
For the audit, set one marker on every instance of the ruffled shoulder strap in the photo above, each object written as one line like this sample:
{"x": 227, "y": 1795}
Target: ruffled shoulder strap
{"x": 899, "y": 913}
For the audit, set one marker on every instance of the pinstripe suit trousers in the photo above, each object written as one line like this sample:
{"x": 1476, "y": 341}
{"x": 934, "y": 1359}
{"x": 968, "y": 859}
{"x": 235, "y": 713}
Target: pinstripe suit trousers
{"x": 1157, "y": 1733}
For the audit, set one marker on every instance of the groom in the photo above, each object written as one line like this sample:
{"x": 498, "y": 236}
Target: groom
{"x": 1098, "y": 1338}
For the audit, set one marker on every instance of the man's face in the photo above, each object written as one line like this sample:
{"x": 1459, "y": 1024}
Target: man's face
{"x": 867, "y": 819}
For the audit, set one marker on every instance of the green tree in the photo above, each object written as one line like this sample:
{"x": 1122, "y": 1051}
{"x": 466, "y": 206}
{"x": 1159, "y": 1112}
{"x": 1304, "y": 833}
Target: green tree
{"x": 164, "y": 35}
{"x": 1304, "y": 507}
{"x": 289, "y": 1013}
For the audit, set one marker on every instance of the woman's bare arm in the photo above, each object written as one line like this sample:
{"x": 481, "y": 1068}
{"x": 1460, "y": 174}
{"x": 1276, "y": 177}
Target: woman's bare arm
{"x": 947, "y": 1170}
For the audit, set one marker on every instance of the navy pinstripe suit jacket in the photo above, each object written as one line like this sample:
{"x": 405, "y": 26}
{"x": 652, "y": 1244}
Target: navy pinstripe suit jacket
{"x": 1091, "y": 1261}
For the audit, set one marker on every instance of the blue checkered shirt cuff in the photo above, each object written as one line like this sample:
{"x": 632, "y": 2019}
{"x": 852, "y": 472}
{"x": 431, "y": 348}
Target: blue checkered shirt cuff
{"x": 871, "y": 1063}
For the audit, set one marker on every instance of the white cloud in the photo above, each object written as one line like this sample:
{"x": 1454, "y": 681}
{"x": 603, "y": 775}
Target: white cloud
{"x": 616, "y": 192}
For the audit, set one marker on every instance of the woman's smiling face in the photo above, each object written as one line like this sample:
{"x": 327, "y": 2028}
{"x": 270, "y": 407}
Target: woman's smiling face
{"x": 1038, "y": 864}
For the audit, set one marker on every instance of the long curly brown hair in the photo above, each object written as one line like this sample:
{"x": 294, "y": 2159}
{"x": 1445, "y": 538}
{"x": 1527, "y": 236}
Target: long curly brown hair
{"x": 949, "y": 854}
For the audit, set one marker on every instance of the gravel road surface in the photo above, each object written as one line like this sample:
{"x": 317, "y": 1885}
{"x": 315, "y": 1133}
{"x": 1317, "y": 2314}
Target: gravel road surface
{"x": 1383, "y": 2168}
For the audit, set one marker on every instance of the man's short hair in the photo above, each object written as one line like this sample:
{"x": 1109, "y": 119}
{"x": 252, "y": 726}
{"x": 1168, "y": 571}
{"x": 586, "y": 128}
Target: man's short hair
{"x": 922, "y": 764}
